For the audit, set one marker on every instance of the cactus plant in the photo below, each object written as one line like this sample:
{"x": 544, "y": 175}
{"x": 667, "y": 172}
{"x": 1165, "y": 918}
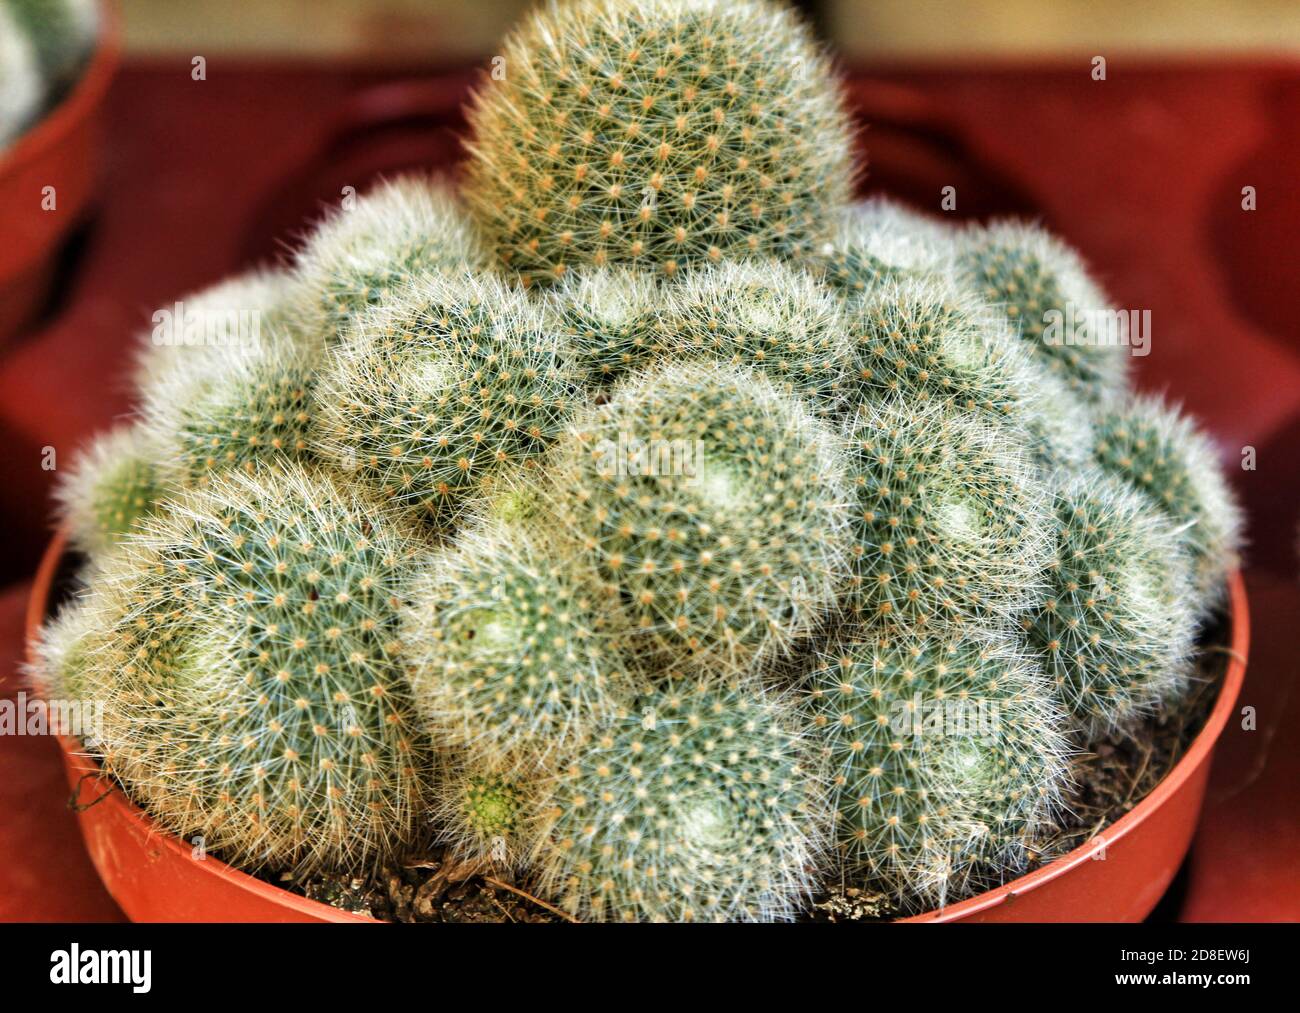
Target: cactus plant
{"x": 661, "y": 133}
{"x": 945, "y": 755}
{"x": 512, "y": 645}
{"x": 609, "y": 317}
{"x": 658, "y": 528}
{"x": 696, "y": 803}
{"x": 714, "y": 503}
{"x": 1047, "y": 294}
{"x": 951, "y": 523}
{"x": 880, "y": 240}
{"x": 1117, "y": 625}
{"x": 1160, "y": 451}
{"x": 62, "y": 32}
{"x": 765, "y": 315}
{"x": 112, "y": 489}
{"x": 441, "y": 389}
{"x": 250, "y": 648}
{"x": 232, "y": 406}
{"x": 22, "y": 89}
{"x": 376, "y": 244}
{"x": 485, "y": 813}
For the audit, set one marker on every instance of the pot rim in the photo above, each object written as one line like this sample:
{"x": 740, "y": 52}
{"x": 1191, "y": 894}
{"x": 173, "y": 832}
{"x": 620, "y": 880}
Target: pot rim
{"x": 1196, "y": 754}
{"x": 78, "y": 103}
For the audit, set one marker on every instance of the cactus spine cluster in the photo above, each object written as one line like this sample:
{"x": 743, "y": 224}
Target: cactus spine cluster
{"x": 1117, "y": 626}
{"x": 772, "y": 542}
{"x": 43, "y": 46}
{"x": 659, "y": 133}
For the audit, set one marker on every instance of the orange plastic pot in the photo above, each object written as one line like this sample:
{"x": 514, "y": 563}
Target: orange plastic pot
{"x": 1119, "y": 875}
{"x": 62, "y": 150}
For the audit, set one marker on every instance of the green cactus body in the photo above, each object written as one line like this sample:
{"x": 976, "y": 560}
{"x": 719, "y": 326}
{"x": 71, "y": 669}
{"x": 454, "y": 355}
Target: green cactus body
{"x": 715, "y": 504}
{"x": 1046, "y": 293}
{"x": 380, "y": 244}
{"x": 62, "y": 31}
{"x": 1160, "y": 451}
{"x": 22, "y": 89}
{"x": 610, "y": 318}
{"x": 767, "y": 316}
{"x": 112, "y": 489}
{"x": 951, "y": 523}
{"x": 945, "y": 755}
{"x": 252, "y": 657}
{"x": 242, "y": 409}
{"x": 662, "y": 133}
{"x": 1117, "y": 628}
{"x": 512, "y": 649}
{"x": 695, "y": 804}
{"x": 878, "y": 241}
{"x": 442, "y": 391}
{"x": 486, "y": 814}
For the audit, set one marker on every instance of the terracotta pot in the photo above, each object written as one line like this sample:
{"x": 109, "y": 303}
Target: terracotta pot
{"x": 153, "y": 876}
{"x": 61, "y": 150}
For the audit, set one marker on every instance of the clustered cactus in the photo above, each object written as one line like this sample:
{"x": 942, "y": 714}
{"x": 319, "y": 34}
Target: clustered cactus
{"x": 43, "y": 46}
{"x": 655, "y": 525}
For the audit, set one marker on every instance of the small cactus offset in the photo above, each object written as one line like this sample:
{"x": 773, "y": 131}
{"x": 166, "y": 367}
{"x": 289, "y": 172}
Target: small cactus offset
{"x": 377, "y": 244}
{"x": 111, "y": 490}
{"x": 1045, "y": 291}
{"x": 443, "y": 389}
{"x": 945, "y": 755}
{"x": 1117, "y": 626}
{"x": 1160, "y": 451}
{"x": 697, "y": 803}
{"x": 512, "y": 646}
{"x": 714, "y": 504}
{"x": 646, "y": 528}
{"x": 659, "y": 133}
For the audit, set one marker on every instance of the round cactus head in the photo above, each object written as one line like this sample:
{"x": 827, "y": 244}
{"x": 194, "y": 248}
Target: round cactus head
{"x": 1159, "y": 450}
{"x": 1049, "y": 298}
{"x": 714, "y": 504}
{"x": 697, "y": 803}
{"x": 767, "y": 316}
{"x": 378, "y": 244}
{"x": 661, "y": 133}
{"x": 511, "y": 647}
{"x": 951, "y": 522}
{"x": 62, "y": 31}
{"x": 251, "y": 636}
{"x": 1117, "y": 625}
{"x": 441, "y": 390}
{"x": 879, "y": 240}
{"x": 610, "y": 318}
{"x": 234, "y": 408}
{"x": 112, "y": 488}
{"x": 945, "y": 754}
{"x": 22, "y": 89}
